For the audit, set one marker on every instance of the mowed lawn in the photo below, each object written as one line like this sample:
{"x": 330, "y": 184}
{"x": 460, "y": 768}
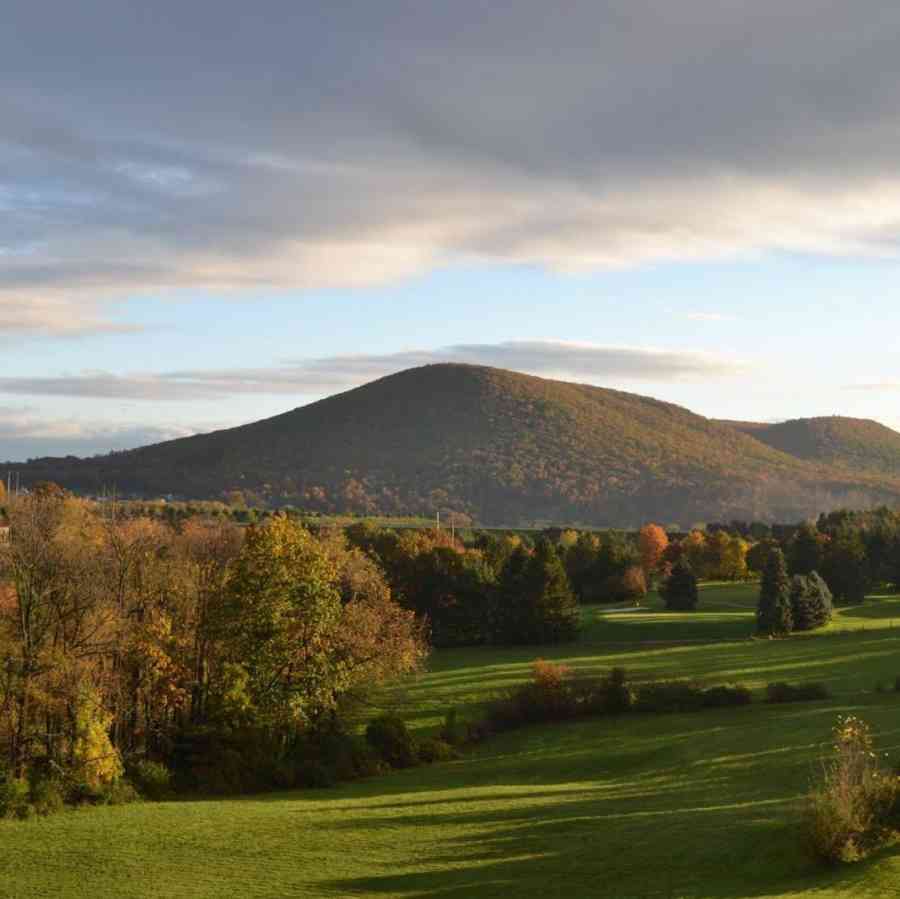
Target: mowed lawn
{"x": 699, "y": 805}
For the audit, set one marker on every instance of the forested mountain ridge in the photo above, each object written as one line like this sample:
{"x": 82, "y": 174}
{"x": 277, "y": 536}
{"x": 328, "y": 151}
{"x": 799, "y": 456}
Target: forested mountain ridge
{"x": 857, "y": 443}
{"x": 503, "y": 447}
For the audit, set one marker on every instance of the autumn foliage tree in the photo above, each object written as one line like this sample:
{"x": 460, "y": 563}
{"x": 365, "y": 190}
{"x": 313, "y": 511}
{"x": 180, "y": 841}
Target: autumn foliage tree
{"x": 652, "y": 543}
{"x": 121, "y": 637}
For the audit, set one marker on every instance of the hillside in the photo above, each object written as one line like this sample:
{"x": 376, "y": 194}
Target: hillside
{"x": 855, "y": 443}
{"x": 504, "y": 447}
{"x": 548, "y": 810}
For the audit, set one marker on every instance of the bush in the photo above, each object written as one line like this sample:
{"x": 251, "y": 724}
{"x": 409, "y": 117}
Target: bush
{"x": 617, "y": 694}
{"x": 550, "y": 696}
{"x": 120, "y": 792}
{"x": 669, "y": 696}
{"x": 209, "y": 760}
{"x": 14, "y": 798}
{"x": 81, "y": 793}
{"x": 389, "y": 736}
{"x": 726, "y": 695}
{"x": 48, "y": 797}
{"x": 452, "y": 732}
{"x": 434, "y": 750}
{"x": 316, "y": 775}
{"x": 851, "y": 812}
{"x": 153, "y": 780}
{"x": 784, "y": 692}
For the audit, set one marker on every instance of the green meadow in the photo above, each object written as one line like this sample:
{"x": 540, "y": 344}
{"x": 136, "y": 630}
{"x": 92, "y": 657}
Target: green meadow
{"x": 689, "y": 805}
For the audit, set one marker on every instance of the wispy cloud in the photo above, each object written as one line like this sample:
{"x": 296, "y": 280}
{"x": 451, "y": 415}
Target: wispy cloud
{"x": 875, "y": 386}
{"x": 35, "y": 316}
{"x": 26, "y": 433}
{"x": 560, "y": 359}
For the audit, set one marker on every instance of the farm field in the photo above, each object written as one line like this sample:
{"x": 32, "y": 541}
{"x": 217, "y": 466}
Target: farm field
{"x": 698, "y": 805}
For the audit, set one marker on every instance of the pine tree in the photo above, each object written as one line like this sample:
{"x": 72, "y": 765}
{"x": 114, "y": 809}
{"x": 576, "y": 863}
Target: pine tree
{"x": 679, "y": 592}
{"x": 511, "y": 619}
{"x": 810, "y": 602}
{"x": 845, "y": 566}
{"x": 535, "y": 600}
{"x": 773, "y": 614}
{"x": 805, "y": 553}
{"x": 554, "y": 609}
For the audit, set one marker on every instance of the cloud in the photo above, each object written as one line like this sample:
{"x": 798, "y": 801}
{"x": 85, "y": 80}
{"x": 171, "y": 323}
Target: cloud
{"x": 559, "y": 359}
{"x": 56, "y": 318}
{"x": 25, "y": 434}
{"x": 875, "y": 386}
{"x": 352, "y": 144}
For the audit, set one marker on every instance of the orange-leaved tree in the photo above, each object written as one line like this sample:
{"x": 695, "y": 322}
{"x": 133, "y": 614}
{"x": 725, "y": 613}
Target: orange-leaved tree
{"x": 652, "y": 543}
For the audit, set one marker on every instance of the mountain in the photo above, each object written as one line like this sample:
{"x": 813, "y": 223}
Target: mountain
{"x": 504, "y": 447}
{"x": 858, "y": 444}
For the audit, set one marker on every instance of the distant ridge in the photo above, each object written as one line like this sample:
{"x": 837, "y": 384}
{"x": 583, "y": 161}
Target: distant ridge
{"x": 856, "y": 443}
{"x": 509, "y": 448}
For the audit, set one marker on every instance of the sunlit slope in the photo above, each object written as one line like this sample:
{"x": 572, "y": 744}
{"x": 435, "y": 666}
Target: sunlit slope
{"x": 700, "y": 806}
{"x": 857, "y": 444}
{"x": 504, "y": 447}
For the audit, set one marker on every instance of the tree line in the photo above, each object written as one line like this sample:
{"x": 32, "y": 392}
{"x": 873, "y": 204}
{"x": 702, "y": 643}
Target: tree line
{"x": 124, "y": 639}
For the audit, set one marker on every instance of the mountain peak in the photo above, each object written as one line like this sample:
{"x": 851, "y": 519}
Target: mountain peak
{"x": 506, "y": 448}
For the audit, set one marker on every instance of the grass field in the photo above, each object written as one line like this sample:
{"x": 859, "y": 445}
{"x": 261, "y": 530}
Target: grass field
{"x": 699, "y": 805}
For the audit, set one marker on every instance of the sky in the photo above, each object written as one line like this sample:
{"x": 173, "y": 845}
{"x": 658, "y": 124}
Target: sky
{"x": 213, "y": 212}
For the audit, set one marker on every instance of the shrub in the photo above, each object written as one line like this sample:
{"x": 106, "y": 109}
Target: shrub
{"x": 389, "y": 736}
{"x": 119, "y": 792}
{"x": 14, "y": 798}
{"x": 81, "y": 793}
{"x": 679, "y": 592}
{"x": 615, "y": 694}
{"x": 550, "y": 696}
{"x": 850, "y": 812}
{"x": 726, "y": 695}
{"x": 316, "y": 775}
{"x": 153, "y": 780}
{"x": 669, "y": 696}
{"x": 784, "y": 692}
{"x": 435, "y": 750}
{"x": 452, "y": 732}
{"x": 47, "y": 797}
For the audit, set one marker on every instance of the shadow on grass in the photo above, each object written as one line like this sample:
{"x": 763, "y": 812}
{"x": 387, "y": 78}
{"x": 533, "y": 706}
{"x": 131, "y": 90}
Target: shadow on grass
{"x": 878, "y": 609}
{"x": 577, "y": 849}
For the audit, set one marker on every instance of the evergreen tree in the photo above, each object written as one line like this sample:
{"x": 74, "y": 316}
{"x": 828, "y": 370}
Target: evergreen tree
{"x": 511, "y": 618}
{"x": 580, "y": 560}
{"x": 810, "y": 601}
{"x": 805, "y": 552}
{"x": 845, "y": 566}
{"x": 536, "y": 603}
{"x": 555, "y": 615}
{"x": 773, "y": 614}
{"x": 679, "y": 592}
